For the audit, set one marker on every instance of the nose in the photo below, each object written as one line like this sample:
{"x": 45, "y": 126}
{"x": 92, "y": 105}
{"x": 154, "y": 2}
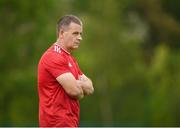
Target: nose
{"x": 80, "y": 37}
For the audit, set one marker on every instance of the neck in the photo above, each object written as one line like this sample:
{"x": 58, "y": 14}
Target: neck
{"x": 58, "y": 42}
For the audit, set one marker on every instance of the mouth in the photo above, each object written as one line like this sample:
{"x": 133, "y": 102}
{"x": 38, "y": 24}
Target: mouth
{"x": 77, "y": 43}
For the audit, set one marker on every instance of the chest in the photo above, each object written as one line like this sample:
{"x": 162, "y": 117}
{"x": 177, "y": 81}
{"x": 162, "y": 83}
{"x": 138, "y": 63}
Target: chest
{"x": 74, "y": 68}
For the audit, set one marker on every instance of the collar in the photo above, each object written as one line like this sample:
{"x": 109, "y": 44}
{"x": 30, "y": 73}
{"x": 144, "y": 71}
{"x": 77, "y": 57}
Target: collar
{"x": 62, "y": 48}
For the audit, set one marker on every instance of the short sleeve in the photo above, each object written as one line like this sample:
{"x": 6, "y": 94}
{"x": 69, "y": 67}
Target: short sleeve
{"x": 56, "y": 64}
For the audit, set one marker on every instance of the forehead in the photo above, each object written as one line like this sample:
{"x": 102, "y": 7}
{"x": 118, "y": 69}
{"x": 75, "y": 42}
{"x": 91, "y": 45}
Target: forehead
{"x": 75, "y": 27}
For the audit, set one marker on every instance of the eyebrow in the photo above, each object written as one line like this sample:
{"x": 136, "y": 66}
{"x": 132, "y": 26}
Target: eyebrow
{"x": 77, "y": 32}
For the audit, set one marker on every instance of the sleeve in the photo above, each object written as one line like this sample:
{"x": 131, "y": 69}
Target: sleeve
{"x": 56, "y": 65}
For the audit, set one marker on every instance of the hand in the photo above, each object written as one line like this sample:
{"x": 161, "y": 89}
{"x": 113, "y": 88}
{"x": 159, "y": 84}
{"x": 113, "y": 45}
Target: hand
{"x": 86, "y": 85}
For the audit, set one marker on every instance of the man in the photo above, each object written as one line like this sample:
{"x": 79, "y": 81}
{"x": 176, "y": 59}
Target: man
{"x": 61, "y": 84}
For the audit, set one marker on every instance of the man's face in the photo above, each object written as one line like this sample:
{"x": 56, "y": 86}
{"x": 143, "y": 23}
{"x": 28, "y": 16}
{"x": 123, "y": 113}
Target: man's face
{"x": 72, "y": 36}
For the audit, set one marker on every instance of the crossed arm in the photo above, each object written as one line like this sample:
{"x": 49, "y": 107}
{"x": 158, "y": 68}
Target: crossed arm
{"x": 86, "y": 85}
{"x": 76, "y": 88}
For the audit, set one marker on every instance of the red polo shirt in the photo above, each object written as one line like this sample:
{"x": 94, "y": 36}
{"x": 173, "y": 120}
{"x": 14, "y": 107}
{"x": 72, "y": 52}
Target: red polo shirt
{"x": 56, "y": 107}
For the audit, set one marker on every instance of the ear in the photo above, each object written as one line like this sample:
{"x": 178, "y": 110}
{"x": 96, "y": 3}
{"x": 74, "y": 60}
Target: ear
{"x": 61, "y": 34}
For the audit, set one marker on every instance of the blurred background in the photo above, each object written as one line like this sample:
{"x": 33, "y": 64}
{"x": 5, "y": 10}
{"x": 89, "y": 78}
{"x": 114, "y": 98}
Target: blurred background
{"x": 130, "y": 50}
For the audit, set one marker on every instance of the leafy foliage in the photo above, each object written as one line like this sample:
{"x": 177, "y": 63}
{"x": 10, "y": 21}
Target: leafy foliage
{"x": 130, "y": 50}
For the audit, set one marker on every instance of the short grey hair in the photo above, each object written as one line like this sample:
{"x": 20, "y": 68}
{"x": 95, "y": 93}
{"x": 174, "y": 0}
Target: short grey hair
{"x": 65, "y": 22}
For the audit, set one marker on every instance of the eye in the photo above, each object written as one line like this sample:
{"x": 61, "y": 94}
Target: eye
{"x": 75, "y": 33}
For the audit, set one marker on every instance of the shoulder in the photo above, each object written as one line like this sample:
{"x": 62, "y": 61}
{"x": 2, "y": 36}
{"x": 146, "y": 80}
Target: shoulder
{"x": 54, "y": 55}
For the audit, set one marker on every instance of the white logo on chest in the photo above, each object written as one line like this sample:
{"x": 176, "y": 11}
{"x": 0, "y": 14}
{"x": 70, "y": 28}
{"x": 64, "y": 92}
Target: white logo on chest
{"x": 70, "y": 65}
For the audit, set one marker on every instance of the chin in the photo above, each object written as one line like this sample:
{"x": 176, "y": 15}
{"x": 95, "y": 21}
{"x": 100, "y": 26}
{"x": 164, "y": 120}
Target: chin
{"x": 75, "y": 47}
